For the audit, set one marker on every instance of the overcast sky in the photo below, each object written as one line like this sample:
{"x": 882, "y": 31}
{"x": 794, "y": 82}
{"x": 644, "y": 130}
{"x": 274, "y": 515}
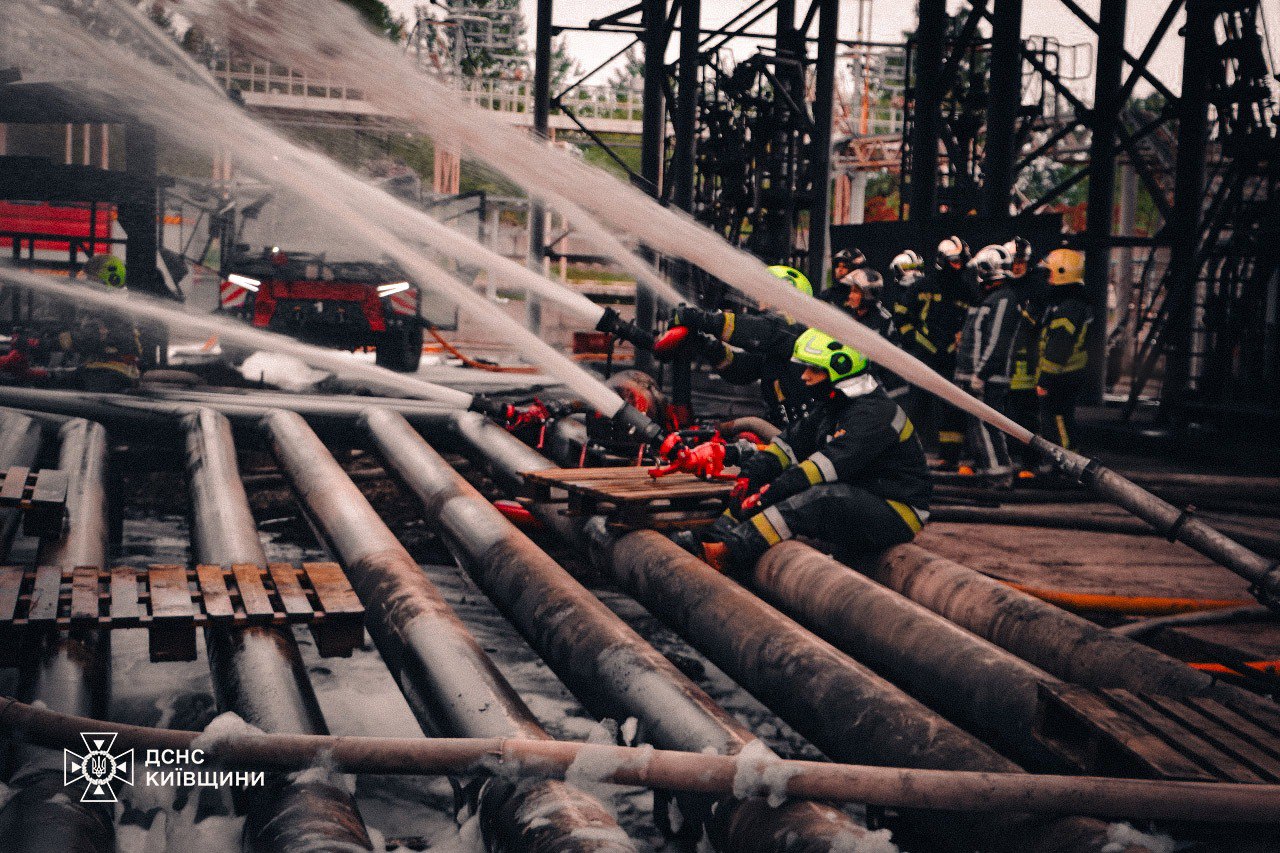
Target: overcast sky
{"x": 889, "y": 19}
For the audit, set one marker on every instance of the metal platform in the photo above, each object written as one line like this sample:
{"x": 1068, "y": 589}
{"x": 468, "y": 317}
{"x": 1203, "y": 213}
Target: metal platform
{"x": 171, "y": 602}
{"x": 629, "y": 498}
{"x": 1119, "y": 733}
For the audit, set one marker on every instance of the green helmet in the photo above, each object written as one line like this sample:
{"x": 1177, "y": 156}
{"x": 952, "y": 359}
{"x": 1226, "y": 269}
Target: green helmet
{"x": 107, "y": 268}
{"x": 814, "y": 349}
{"x": 798, "y": 279}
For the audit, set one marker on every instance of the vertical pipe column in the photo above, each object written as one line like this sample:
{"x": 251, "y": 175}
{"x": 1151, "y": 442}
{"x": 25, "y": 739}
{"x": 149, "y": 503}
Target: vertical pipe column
{"x": 596, "y": 654}
{"x": 653, "y": 123}
{"x": 820, "y": 158}
{"x": 1003, "y": 103}
{"x": 1104, "y": 121}
{"x": 451, "y": 684}
{"x": 1188, "y": 199}
{"x": 925, "y": 117}
{"x": 257, "y": 671}
{"x": 66, "y": 672}
{"x": 682, "y": 167}
{"x": 541, "y": 126}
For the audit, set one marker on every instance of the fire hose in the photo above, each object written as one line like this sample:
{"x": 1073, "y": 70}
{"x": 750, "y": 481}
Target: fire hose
{"x": 747, "y": 774}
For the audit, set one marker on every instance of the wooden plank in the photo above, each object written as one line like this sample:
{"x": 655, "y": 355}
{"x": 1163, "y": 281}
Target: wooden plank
{"x": 15, "y": 484}
{"x": 1186, "y": 741}
{"x": 172, "y": 631}
{"x": 124, "y": 595}
{"x": 1250, "y": 755}
{"x": 1264, "y": 739}
{"x": 84, "y": 595}
{"x": 213, "y": 591}
{"x": 50, "y": 488}
{"x": 1264, "y": 717}
{"x": 1083, "y": 727}
{"x": 253, "y": 595}
{"x": 342, "y": 628}
{"x": 10, "y": 586}
{"x": 293, "y": 599}
{"x": 44, "y": 595}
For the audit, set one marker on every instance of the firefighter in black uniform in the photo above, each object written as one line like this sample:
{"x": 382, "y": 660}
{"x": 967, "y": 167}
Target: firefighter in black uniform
{"x": 748, "y": 347}
{"x": 1021, "y": 404}
{"x": 984, "y": 360}
{"x": 844, "y": 262}
{"x": 858, "y": 295}
{"x": 851, "y": 472}
{"x": 935, "y": 309}
{"x": 905, "y": 270}
{"x": 1064, "y": 330}
{"x": 107, "y": 341}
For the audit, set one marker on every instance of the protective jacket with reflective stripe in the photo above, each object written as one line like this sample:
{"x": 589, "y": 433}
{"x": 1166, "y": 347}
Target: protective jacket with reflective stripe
{"x": 986, "y": 343}
{"x": 934, "y": 309}
{"x": 761, "y": 349}
{"x": 861, "y": 438}
{"x": 1064, "y": 331}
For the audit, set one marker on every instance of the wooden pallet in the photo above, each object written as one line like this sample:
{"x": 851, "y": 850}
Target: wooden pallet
{"x": 171, "y": 602}
{"x": 629, "y": 498}
{"x": 40, "y": 495}
{"x": 1118, "y": 733}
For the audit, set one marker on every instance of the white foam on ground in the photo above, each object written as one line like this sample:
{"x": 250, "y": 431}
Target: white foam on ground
{"x": 285, "y": 372}
{"x": 760, "y": 773}
{"x": 1122, "y": 836}
{"x": 222, "y": 728}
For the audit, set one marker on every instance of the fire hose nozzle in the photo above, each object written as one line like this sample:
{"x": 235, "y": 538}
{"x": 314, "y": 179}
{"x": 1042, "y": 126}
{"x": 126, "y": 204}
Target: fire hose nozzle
{"x": 638, "y": 424}
{"x": 611, "y": 322}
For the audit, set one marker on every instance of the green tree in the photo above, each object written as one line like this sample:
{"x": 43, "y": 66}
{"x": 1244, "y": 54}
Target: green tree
{"x": 378, "y": 16}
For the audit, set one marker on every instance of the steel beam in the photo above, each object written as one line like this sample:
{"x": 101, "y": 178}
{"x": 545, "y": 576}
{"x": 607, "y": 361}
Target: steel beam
{"x": 1004, "y": 101}
{"x": 258, "y": 672}
{"x": 597, "y": 655}
{"x": 1105, "y": 125}
{"x": 653, "y": 124}
{"x": 451, "y": 684}
{"x": 541, "y": 128}
{"x": 820, "y": 158}
{"x": 926, "y": 119}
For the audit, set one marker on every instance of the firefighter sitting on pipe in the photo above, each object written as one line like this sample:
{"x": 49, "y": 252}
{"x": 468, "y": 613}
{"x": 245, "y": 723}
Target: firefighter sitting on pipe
{"x": 107, "y": 341}
{"x": 858, "y": 293}
{"x": 851, "y": 473}
{"x": 741, "y": 347}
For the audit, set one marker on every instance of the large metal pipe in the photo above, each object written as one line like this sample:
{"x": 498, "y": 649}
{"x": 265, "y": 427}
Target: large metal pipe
{"x": 894, "y": 787}
{"x": 975, "y": 683}
{"x": 451, "y": 684}
{"x": 258, "y": 672}
{"x": 843, "y": 708}
{"x": 65, "y": 670}
{"x": 19, "y": 445}
{"x": 1065, "y": 645}
{"x": 601, "y": 659}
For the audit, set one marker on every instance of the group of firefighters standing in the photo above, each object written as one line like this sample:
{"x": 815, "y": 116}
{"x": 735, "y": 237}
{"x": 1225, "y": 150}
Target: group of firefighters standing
{"x": 848, "y": 465}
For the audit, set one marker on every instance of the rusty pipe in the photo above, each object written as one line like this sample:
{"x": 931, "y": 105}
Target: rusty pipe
{"x": 975, "y": 683}
{"x": 65, "y": 670}
{"x": 601, "y": 659}
{"x": 451, "y": 684}
{"x": 1065, "y": 645}
{"x": 257, "y": 671}
{"x": 893, "y": 787}
{"x": 816, "y": 688}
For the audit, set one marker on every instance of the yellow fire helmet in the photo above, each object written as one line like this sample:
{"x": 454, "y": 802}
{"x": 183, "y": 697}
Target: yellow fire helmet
{"x": 814, "y": 349}
{"x": 107, "y": 268}
{"x": 1065, "y": 266}
{"x": 797, "y": 279}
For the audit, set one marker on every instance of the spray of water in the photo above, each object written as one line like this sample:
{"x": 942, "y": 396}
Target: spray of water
{"x": 374, "y": 377}
{"x": 201, "y": 121}
{"x": 327, "y": 38}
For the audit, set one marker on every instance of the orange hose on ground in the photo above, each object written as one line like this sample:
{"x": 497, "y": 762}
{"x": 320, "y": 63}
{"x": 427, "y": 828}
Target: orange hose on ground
{"x": 1271, "y": 666}
{"x": 479, "y": 365}
{"x": 1137, "y": 605}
